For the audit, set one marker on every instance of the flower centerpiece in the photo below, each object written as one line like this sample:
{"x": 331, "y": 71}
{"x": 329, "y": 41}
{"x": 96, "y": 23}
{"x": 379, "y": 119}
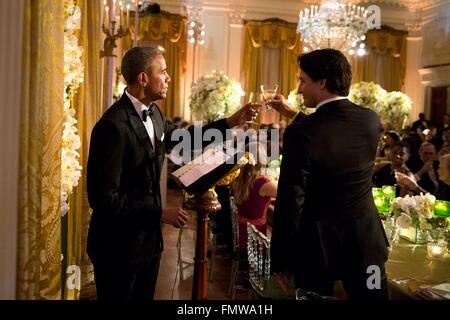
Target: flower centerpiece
{"x": 417, "y": 212}
{"x": 368, "y": 94}
{"x": 296, "y": 100}
{"x": 215, "y": 96}
{"x": 395, "y": 109}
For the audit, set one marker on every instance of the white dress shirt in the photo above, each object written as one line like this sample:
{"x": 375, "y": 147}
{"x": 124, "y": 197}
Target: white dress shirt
{"x": 139, "y": 106}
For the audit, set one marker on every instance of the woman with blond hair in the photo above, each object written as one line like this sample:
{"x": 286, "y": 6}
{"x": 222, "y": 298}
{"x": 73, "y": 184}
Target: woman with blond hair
{"x": 253, "y": 193}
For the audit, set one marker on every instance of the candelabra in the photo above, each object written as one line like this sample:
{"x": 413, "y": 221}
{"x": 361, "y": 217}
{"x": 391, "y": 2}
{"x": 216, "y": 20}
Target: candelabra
{"x": 109, "y": 22}
{"x": 110, "y": 41}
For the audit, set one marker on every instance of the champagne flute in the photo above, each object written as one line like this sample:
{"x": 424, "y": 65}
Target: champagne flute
{"x": 269, "y": 91}
{"x": 255, "y": 101}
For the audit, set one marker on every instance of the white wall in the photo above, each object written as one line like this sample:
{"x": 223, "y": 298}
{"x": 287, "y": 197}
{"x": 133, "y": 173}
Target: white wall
{"x": 11, "y": 20}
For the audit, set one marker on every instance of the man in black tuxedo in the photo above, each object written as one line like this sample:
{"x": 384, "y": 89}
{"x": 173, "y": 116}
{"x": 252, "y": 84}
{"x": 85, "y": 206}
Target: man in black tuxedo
{"x": 123, "y": 180}
{"x": 326, "y": 226}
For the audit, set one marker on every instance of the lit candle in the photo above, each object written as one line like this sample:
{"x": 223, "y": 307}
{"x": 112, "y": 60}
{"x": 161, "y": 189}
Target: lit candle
{"x": 437, "y": 250}
{"x": 128, "y": 16}
{"x": 442, "y": 208}
{"x": 136, "y": 24}
{"x": 388, "y": 190}
{"x": 113, "y": 8}
{"x": 106, "y": 17}
{"x": 121, "y": 15}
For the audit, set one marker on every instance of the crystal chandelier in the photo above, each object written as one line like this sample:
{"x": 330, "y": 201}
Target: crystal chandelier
{"x": 334, "y": 24}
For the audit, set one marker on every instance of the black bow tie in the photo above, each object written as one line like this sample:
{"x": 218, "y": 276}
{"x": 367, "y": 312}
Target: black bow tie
{"x": 148, "y": 112}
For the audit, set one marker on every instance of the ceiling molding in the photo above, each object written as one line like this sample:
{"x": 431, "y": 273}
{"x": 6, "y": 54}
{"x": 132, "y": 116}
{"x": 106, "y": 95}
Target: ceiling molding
{"x": 411, "y": 5}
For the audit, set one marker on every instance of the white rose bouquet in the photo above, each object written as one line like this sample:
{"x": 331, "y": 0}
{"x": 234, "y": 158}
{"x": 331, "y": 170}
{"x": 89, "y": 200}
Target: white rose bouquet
{"x": 368, "y": 94}
{"x": 395, "y": 109}
{"x": 215, "y": 96}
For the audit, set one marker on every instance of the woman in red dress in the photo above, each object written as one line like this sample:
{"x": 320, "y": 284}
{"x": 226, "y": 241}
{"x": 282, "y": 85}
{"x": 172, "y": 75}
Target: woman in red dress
{"x": 253, "y": 193}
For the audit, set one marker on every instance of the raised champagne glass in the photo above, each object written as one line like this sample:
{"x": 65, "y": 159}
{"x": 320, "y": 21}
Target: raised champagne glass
{"x": 256, "y": 102}
{"x": 269, "y": 91}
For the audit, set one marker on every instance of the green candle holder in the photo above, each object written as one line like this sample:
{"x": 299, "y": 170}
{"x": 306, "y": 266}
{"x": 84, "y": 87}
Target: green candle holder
{"x": 389, "y": 195}
{"x": 442, "y": 208}
{"x": 380, "y": 200}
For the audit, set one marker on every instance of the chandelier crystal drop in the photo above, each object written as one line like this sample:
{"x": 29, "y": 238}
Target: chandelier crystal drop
{"x": 333, "y": 24}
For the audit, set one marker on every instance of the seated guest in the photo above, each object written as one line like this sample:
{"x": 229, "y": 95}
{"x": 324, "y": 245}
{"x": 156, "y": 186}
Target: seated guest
{"x": 445, "y": 149}
{"x": 445, "y": 124}
{"x": 253, "y": 193}
{"x": 432, "y": 137}
{"x": 389, "y": 139}
{"x": 443, "y": 191}
{"x": 425, "y": 166}
{"x": 385, "y": 176}
{"x": 421, "y": 122}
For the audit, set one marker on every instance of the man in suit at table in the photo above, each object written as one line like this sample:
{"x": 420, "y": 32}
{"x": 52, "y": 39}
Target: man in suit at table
{"x": 326, "y": 226}
{"x": 123, "y": 180}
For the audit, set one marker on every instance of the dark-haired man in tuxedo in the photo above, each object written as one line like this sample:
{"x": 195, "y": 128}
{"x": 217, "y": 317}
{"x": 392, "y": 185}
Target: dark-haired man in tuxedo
{"x": 123, "y": 180}
{"x": 326, "y": 226}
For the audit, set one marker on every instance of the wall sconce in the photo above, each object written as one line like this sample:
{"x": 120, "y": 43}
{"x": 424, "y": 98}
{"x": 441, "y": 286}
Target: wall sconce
{"x": 196, "y": 32}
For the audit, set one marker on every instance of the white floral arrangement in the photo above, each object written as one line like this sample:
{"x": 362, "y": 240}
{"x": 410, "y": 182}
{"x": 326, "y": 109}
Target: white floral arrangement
{"x": 368, "y": 94}
{"x": 73, "y": 77}
{"x": 395, "y": 110}
{"x": 215, "y": 96}
{"x": 417, "y": 211}
{"x": 295, "y": 99}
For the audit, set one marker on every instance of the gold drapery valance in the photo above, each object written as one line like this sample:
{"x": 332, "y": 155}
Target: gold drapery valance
{"x": 385, "y": 61}
{"x": 272, "y": 33}
{"x": 162, "y": 26}
{"x": 387, "y": 41}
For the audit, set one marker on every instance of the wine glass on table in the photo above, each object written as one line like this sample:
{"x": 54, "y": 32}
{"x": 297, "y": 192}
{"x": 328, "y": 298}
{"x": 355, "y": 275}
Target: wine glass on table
{"x": 269, "y": 91}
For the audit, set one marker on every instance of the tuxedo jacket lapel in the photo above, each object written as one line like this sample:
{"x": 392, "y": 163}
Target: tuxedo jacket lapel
{"x": 157, "y": 123}
{"x": 140, "y": 130}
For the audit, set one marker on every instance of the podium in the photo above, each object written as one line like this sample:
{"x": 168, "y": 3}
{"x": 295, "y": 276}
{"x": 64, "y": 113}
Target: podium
{"x": 204, "y": 201}
{"x": 204, "y": 205}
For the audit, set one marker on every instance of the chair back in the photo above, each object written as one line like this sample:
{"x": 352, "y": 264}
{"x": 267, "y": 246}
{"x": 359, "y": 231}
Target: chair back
{"x": 258, "y": 249}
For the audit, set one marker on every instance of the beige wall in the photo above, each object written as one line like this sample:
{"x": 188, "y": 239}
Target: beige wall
{"x": 11, "y": 19}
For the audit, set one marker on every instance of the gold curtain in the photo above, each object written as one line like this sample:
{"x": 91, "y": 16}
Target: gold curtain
{"x": 385, "y": 61}
{"x": 87, "y": 103}
{"x": 39, "y": 251}
{"x": 271, "y": 33}
{"x": 169, "y": 31}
